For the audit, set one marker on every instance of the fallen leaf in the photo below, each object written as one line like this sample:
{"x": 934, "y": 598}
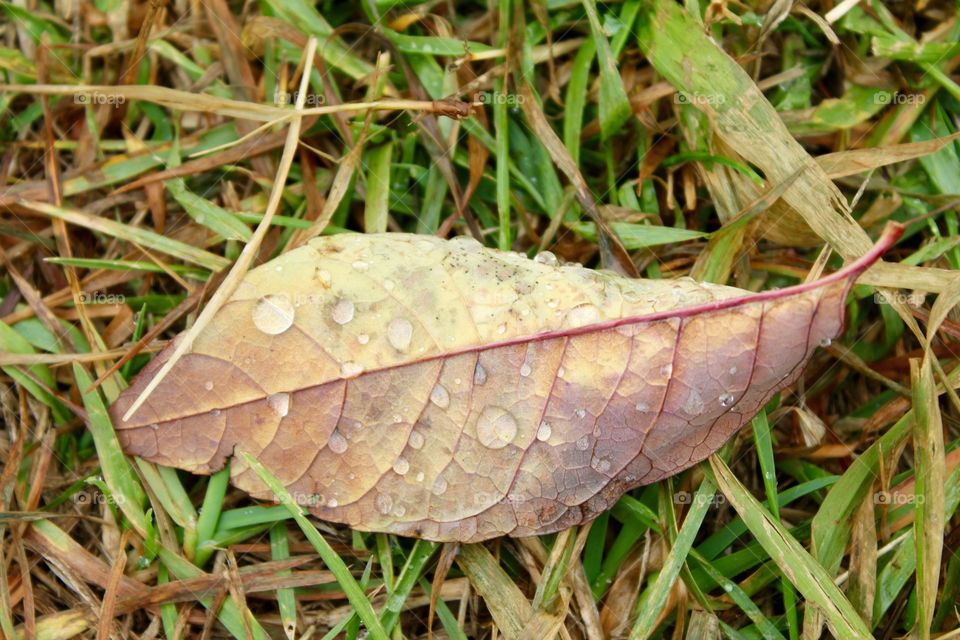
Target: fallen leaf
{"x": 439, "y": 389}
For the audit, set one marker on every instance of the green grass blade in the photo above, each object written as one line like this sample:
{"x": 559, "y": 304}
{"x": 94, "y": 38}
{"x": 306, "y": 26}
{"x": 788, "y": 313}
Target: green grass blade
{"x": 377, "y": 208}
{"x": 354, "y": 593}
{"x": 804, "y": 572}
{"x": 650, "y": 605}
{"x": 614, "y": 105}
{"x": 136, "y": 235}
{"x": 117, "y": 472}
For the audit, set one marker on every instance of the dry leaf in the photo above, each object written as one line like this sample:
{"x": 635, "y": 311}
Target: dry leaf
{"x": 439, "y": 389}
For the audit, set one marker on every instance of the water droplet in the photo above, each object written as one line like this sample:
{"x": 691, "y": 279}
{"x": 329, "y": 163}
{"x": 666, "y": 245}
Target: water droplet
{"x": 383, "y": 503}
{"x": 561, "y": 371}
{"x": 726, "y": 399}
{"x": 350, "y": 369}
{"x": 728, "y": 587}
{"x": 399, "y": 333}
{"x": 332, "y": 503}
{"x": 401, "y": 466}
{"x": 389, "y": 285}
{"x": 502, "y": 329}
{"x": 666, "y": 370}
{"x": 552, "y": 303}
{"x": 479, "y": 374}
{"x": 273, "y": 314}
{"x": 439, "y": 486}
{"x": 544, "y": 432}
{"x": 324, "y": 277}
{"x": 440, "y": 397}
{"x": 215, "y": 413}
{"x": 208, "y": 385}
{"x": 547, "y": 258}
{"x": 826, "y": 342}
{"x": 343, "y": 311}
{"x": 419, "y": 477}
{"x": 642, "y": 407}
{"x": 694, "y": 403}
{"x": 416, "y": 440}
{"x": 156, "y": 427}
{"x": 496, "y": 427}
{"x": 600, "y": 464}
{"x": 280, "y": 403}
{"x": 360, "y": 265}
{"x": 525, "y": 370}
{"x": 399, "y": 510}
{"x": 337, "y": 443}
{"x": 582, "y": 315}
{"x": 583, "y": 443}
{"x": 733, "y": 370}
{"x": 581, "y": 413}
{"x": 363, "y": 338}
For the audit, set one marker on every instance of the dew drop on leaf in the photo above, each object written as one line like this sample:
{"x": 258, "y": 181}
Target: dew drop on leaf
{"x": 544, "y": 432}
{"x": 496, "y": 427}
{"x": 279, "y": 403}
{"x": 399, "y": 333}
{"x": 350, "y": 369}
{"x": 343, "y": 311}
{"x": 273, "y": 314}
{"x": 416, "y": 440}
{"x": 384, "y": 503}
{"x": 337, "y": 443}
{"x": 694, "y": 403}
{"x": 439, "y": 396}
{"x": 479, "y": 375}
{"x": 583, "y": 315}
{"x": 546, "y": 257}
